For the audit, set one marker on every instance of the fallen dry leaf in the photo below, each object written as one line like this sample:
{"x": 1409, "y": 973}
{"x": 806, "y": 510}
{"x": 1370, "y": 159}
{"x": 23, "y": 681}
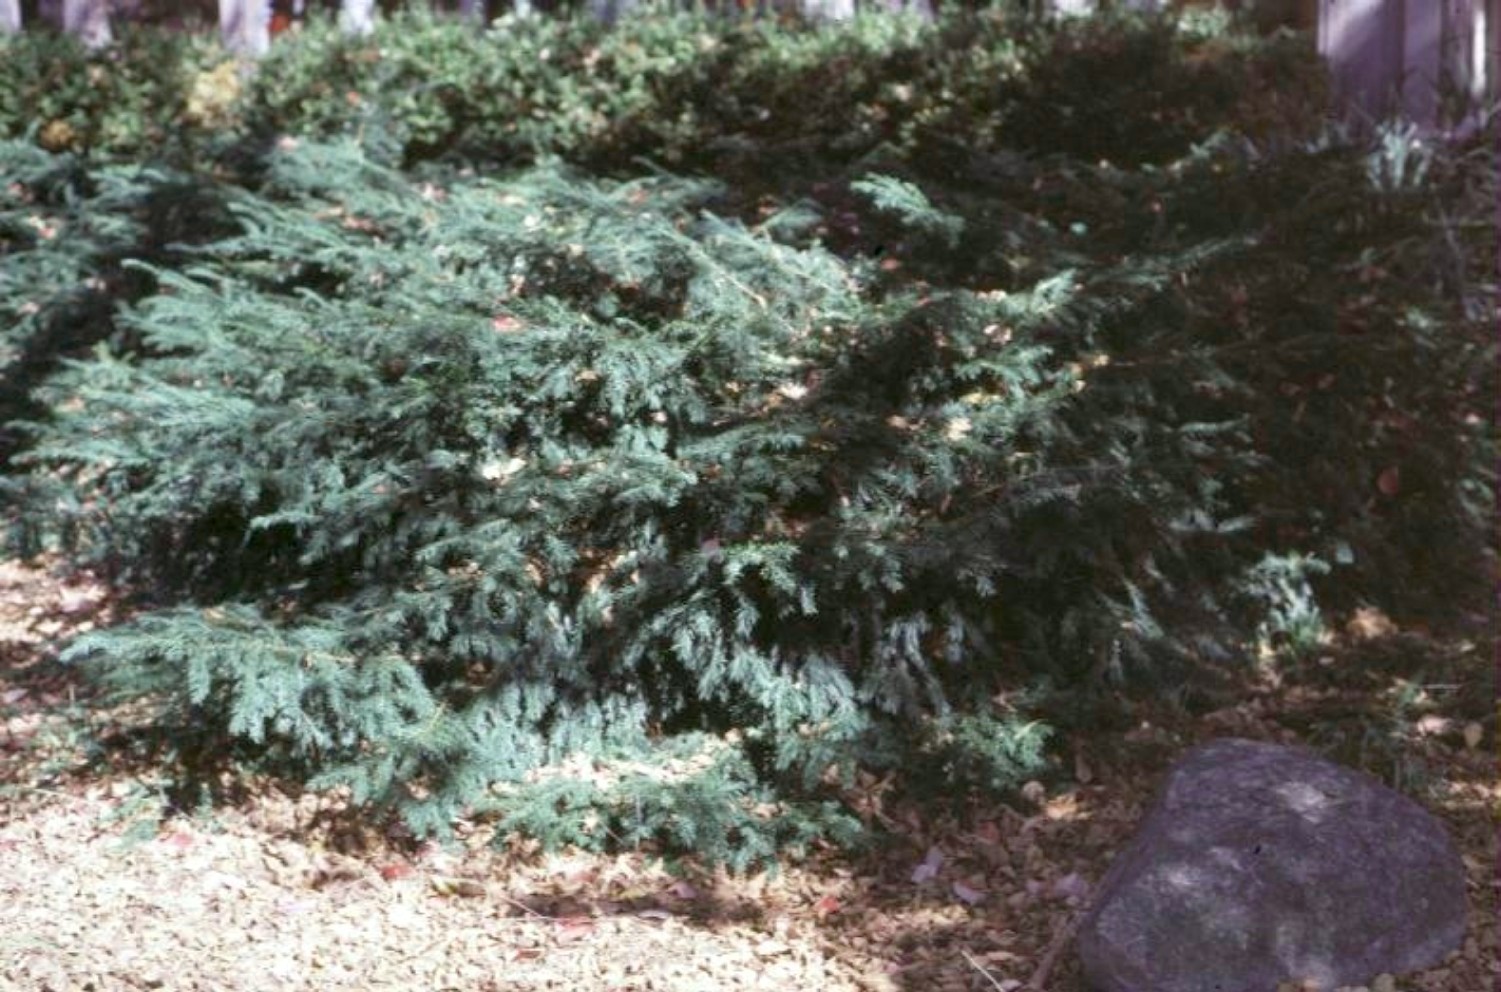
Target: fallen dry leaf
{"x": 1083, "y": 774}
{"x": 572, "y": 928}
{"x": 466, "y": 887}
{"x": 968, "y": 895}
{"x": 178, "y": 840}
{"x": 835, "y": 923}
{"x": 682, "y": 890}
{"x": 1368, "y": 623}
{"x": 927, "y": 870}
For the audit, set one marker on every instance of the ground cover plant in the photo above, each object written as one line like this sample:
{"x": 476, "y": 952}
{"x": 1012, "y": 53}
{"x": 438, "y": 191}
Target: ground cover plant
{"x": 464, "y": 460}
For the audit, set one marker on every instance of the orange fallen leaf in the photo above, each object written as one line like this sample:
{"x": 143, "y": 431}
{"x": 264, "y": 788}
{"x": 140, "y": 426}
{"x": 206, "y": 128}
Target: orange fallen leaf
{"x": 178, "y": 840}
{"x": 572, "y": 928}
{"x": 1368, "y": 623}
{"x": 395, "y": 870}
{"x": 1390, "y": 481}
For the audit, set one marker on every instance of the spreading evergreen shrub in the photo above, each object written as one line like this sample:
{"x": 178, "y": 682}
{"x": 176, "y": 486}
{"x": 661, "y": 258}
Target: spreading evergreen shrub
{"x": 65, "y": 230}
{"x": 655, "y": 509}
{"x": 462, "y": 481}
{"x": 443, "y": 484}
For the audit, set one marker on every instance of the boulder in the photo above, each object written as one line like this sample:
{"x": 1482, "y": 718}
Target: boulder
{"x": 1260, "y": 864}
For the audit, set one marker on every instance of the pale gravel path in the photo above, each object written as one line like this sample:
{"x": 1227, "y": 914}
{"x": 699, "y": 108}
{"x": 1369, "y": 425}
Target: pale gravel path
{"x": 199, "y": 910}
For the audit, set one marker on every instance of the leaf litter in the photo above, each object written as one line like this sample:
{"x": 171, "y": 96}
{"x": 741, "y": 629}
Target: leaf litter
{"x": 106, "y": 888}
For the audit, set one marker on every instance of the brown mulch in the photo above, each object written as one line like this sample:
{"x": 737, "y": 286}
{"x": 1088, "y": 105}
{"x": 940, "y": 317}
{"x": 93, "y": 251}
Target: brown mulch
{"x": 104, "y": 888}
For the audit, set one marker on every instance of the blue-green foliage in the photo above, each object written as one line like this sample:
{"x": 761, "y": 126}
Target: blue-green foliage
{"x": 906, "y": 201}
{"x": 444, "y": 484}
{"x": 1280, "y": 585}
{"x": 659, "y": 508}
{"x": 462, "y": 481}
{"x": 66, "y": 229}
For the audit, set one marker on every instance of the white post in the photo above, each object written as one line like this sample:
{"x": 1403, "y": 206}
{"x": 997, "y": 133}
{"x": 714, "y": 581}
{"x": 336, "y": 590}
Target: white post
{"x": 828, "y": 10}
{"x": 1422, "y": 59}
{"x": 245, "y": 26}
{"x": 610, "y": 11}
{"x": 1492, "y": 50}
{"x": 472, "y": 9}
{"x": 1362, "y": 40}
{"x": 89, "y": 20}
{"x": 1469, "y": 56}
{"x": 1480, "y": 75}
{"x": 1464, "y": 54}
{"x": 10, "y": 16}
{"x": 357, "y": 17}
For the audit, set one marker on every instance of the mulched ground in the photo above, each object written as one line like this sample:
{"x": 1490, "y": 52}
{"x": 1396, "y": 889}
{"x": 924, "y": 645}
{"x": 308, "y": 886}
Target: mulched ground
{"x": 104, "y": 888}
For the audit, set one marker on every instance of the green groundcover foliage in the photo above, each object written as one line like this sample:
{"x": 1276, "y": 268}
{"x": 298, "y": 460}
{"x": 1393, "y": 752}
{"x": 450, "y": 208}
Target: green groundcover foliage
{"x": 643, "y": 508}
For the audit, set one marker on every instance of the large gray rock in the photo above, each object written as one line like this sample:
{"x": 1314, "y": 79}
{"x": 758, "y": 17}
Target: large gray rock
{"x": 1260, "y": 864}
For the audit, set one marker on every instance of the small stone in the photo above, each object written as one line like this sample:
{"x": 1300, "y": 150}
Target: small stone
{"x": 1384, "y": 983}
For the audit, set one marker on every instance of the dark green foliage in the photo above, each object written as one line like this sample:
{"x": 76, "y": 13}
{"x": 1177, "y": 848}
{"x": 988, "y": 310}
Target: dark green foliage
{"x": 687, "y": 90}
{"x": 465, "y": 480}
{"x": 741, "y": 96}
{"x": 655, "y": 509}
{"x": 65, "y": 231}
{"x": 130, "y": 100}
{"x": 691, "y": 791}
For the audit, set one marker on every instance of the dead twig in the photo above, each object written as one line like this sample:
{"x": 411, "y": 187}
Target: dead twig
{"x": 1039, "y": 979}
{"x": 982, "y": 970}
{"x": 518, "y": 904}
